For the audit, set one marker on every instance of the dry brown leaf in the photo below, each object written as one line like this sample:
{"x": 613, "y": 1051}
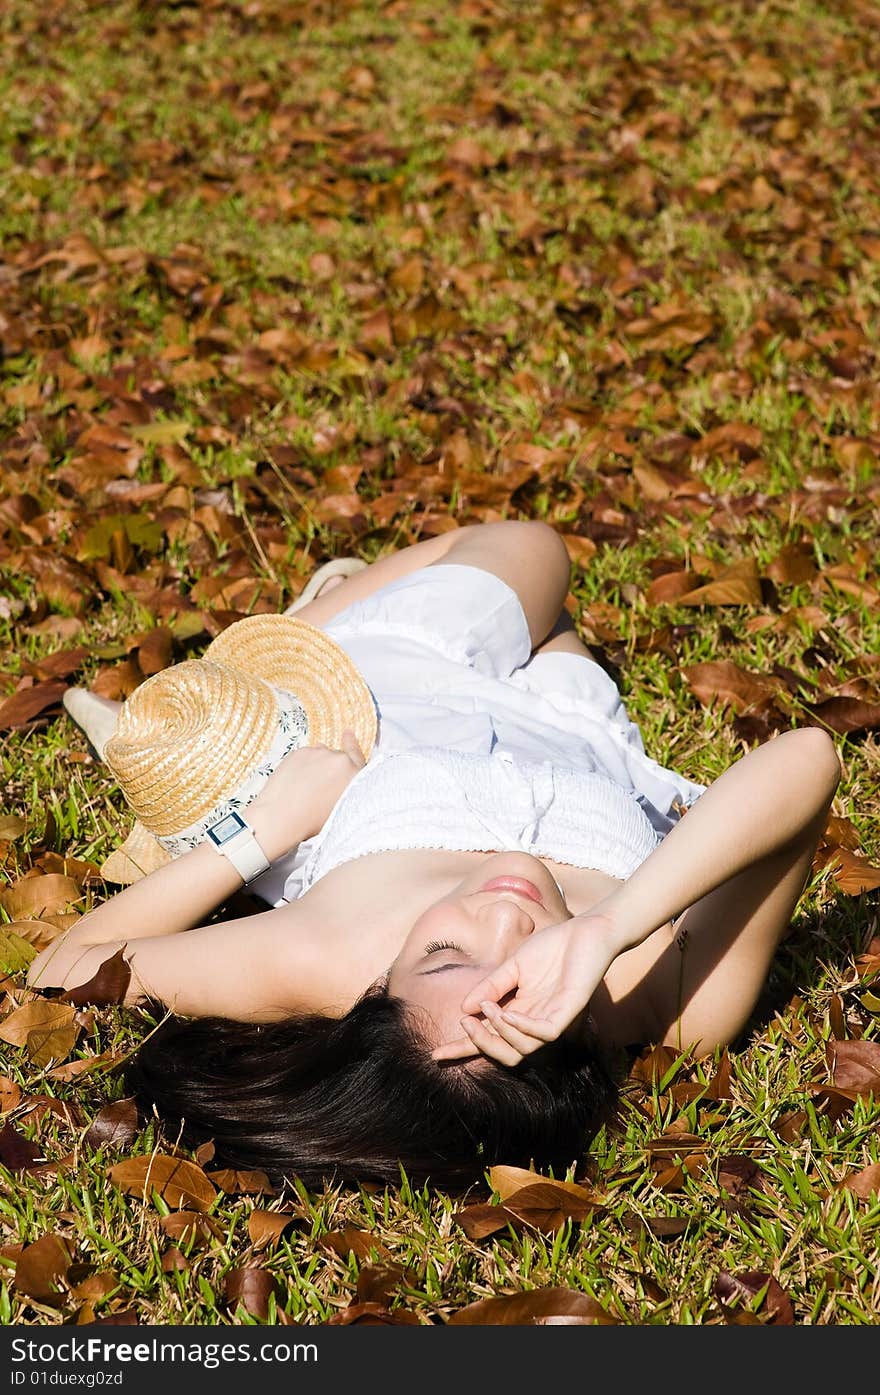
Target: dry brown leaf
{"x": 32, "y": 898}
{"x": 251, "y": 1287}
{"x": 190, "y": 1228}
{"x": 37, "y": 932}
{"x": 180, "y": 1183}
{"x": 42, "y": 1268}
{"x": 725, "y": 682}
{"x": 865, "y": 1183}
{"x": 373, "y": 1315}
{"x": 107, "y": 985}
{"x": 115, "y": 1126}
{"x": 17, "y": 1153}
{"x": 231, "y": 1180}
{"x": 377, "y": 1283}
{"x": 844, "y": 715}
{"x": 478, "y": 1221}
{"x": 670, "y": 587}
{"x": 27, "y": 704}
{"x": 740, "y": 1291}
{"x": 855, "y": 1065}
{"x": 853, "y": 875}
{"x": 539, "y": 1307}
{"x": 10, "y": 1094}
{"x": 548, "y": 1204}
{"x": 793, "y": 565}
{"x": 47, "y": 1030}
{"x": 736, "y": 585}
{"x": 267, "y": 1227}
{"x": 155, "y": 650}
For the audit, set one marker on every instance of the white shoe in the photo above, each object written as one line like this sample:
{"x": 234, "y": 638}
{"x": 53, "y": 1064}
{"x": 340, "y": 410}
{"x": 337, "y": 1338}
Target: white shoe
{"x": 337, "y": 567}
{"x": 95, "y": 716}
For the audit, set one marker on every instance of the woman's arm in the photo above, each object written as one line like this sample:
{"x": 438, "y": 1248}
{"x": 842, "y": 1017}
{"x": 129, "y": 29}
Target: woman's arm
{"x": 735, "y": 868}
{"x": 732, "y": 869}
{"x": 293, "y": 805}
{"x": 258, "y": 969}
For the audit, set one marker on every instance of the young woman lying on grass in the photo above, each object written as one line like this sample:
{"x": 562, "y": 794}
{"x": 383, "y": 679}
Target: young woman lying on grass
{"x": 464, "y": 928}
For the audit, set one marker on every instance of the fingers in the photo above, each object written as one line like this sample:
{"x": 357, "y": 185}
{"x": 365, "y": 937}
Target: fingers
{"x": 502, "y": 980}
{"x": 455, "y": 1050}
{"x": 522, "y": 1038}
{"x": 490, "y": 1043}
{"x": 352, "y": 748}
{"x": 540, "y": 1028}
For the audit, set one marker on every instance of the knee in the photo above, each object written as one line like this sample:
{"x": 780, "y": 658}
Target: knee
{"x": 544, "y": 542}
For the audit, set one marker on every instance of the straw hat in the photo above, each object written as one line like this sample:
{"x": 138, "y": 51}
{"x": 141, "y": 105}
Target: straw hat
{"x": 201, "y": 738}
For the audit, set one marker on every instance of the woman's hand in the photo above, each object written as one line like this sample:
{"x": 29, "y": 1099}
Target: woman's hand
{"x": 296, "y": 800}
{"x": 545, "y": 986}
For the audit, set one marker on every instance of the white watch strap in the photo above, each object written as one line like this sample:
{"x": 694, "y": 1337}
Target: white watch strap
{"x": 246, "y": 855}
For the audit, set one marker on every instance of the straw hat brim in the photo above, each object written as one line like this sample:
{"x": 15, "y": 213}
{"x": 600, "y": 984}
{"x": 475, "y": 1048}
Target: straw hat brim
{"x": 298, "y": 657}
{"x": 139, "y": 855}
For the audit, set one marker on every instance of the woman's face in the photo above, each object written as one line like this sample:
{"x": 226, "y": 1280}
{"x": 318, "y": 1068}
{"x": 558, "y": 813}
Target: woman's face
{"x": 466, "y": 934}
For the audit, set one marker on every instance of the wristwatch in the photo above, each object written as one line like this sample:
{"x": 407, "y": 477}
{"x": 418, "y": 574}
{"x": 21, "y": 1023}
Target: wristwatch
{"x": 234, "y": 838}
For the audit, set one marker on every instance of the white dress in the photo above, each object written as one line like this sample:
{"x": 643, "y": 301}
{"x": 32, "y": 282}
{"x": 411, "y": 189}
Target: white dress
{"x": 481, "y": 746}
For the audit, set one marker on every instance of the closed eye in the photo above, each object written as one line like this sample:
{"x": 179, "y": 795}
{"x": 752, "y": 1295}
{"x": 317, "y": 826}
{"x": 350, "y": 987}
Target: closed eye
{"x": 436, "y": 946}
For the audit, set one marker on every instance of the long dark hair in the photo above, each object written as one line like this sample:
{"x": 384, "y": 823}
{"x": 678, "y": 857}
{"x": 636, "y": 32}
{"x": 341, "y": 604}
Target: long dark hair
{"x": 358, "y": 1097}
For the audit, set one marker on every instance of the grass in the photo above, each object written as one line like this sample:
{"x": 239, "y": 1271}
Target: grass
{"x": 632, "y": 157}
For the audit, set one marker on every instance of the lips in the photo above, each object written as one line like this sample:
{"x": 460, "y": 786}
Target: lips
{"x": 518, "y": 885}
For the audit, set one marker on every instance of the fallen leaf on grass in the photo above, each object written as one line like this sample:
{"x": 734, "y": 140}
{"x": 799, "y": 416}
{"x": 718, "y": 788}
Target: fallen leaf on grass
{"x": 35, "y": 897}
{"x": 115, "y": 1126}
{"x": 724, "y": 681}
{"x": 736, "y": 585}
{"x": 539, "y": 1307}
{"x": 17, "y": 1153}
{"x": 177, "y": 1181}
{"x": 174, "y": 1261}
{"x": 543, "y": 1202}
{"x": 251, "y": 1287}
{"x": 27, "y": 704}
{"x": 373, "y": 1315}
{"x": 481, "y": 1220}
{"x": 230, "y": 1180}
{"x": 190, "y": 1228}
{"x": 377, "y": 1283}
{"x": 670, "y": 587}
{"x": 845, "y": 715}
{"x": 267, "y": 1227}
{"x": 106, "y": 987}
{"x": 15, "y": 951}
{"x": 855, "y": 1065}
{"x": 865, "y": 1183}
{"x": 853, "y": 875}
{"x": 10, "y": 1094}
{"x": 738, "y": 1292}
{"x": 792, "y": 565}
{"x": 548, "y": 1204}
{"x": 47, "y": 1030}
{"x": 42, "y": 1268}
{"x": 84, "y": 1065}
{"x": 738, "y": 1177}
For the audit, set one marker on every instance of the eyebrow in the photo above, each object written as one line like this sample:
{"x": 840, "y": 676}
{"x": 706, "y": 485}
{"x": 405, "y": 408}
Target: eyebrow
{"x": 423, "y": 973}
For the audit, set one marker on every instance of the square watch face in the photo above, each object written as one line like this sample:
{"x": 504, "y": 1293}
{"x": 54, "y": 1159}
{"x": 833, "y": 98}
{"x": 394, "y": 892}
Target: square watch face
{"x": 227, "y": 828}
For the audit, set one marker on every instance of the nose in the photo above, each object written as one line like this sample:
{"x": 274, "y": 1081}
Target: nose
{"x": 507, "y": 921}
